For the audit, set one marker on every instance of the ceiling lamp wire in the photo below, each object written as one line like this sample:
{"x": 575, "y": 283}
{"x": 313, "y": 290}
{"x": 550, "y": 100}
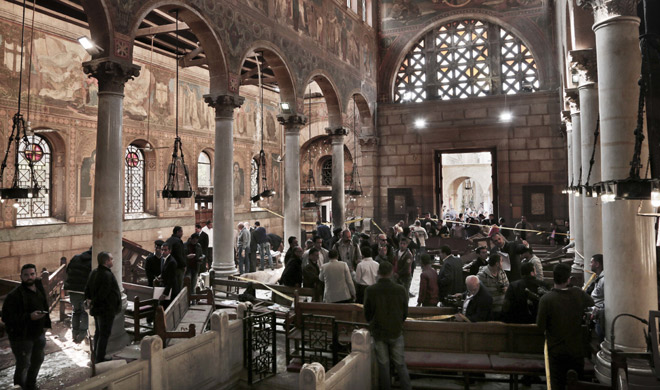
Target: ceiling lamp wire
{"x": 311, "y": 185}
{"x": 19, "y": 136}
{"x": 261, "y": 162}
{"x": 173, "y": 188}
{"x": 355, "y": 188}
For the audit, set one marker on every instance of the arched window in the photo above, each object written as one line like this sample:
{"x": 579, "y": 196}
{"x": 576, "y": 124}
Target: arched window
{"x": 326, "y": 172}
{"x": 38, "y": 151}
{"x": 204, "y": 170}
{"x": 254, "y": 181}
{"x": 465, "y": 58}
{"x": 134, "y": 180}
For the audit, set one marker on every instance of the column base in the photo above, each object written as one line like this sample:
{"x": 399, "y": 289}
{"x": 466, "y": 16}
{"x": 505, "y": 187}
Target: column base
{"x": 224, "y": 270}
{"x": 118, "y": 338}
{"x": 603, "y": 366}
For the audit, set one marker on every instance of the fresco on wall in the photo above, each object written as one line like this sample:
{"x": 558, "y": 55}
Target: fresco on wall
{"x": 400, "y": 13}
{"x": 245, "y": 119}
{"x": 239, "y": 183}
{"x": 194, "y": 112}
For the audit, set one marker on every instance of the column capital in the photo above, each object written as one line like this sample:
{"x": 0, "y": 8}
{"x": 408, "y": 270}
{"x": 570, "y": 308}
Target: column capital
{"x": 111, "y": 74}
{"x": 573, "y": 98}
{"x": 584, "y": 62}
{"x": 606, "y": 9}
{"x": 368, "y": 141}
{"x": 224, "y": 104}
{"x": 336, "y": 132}
{"x": 292, "y": 122}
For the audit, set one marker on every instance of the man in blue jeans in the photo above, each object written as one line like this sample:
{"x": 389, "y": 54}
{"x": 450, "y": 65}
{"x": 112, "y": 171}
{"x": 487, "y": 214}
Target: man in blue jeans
{"x": 77, "y": 273}
{"x": 104, "y": 296}
{"x": 386, "y": 308}
{"x": 263, "y": 244}
{"x": 243, "y": 249}
{"x": 25, "y": 314}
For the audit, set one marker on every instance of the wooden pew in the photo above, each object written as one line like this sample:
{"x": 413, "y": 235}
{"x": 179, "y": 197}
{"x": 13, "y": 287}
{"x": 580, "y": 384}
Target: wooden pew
{"x": 140, "y": 304}
{"x": 133, "y": 256}
{"x": 181, "y": 320}
{"x": 231, "y": 288}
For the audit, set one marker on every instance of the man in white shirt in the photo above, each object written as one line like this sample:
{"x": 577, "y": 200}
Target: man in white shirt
{"x": 208, "y": 229}
{"x": 365, "y": 273}
{"x": 323, "y": 253}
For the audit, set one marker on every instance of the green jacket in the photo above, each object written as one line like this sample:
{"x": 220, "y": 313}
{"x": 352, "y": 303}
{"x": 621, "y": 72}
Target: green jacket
{"x": 386, "y": 308}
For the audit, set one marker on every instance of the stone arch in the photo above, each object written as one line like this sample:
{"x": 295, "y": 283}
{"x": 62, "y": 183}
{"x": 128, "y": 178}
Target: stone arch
{"x": 280, "y": 66}
{"x": 362, "y": 105}
{"x": 534, "y": 41}
{"x": 100, "y": 26}
{"x": 329, "y": 89}
{"x": 208, "y": 39}
{"x": 151, "y": 173}
{"x": 58, "y": 165}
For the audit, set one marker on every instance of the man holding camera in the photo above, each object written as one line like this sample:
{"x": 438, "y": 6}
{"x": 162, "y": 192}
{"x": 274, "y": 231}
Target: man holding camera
{"x": 25, "y": 313}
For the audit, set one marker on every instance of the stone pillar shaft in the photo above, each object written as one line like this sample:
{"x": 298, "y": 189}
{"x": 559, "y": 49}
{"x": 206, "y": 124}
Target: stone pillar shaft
{"x": 107, "y": 225}
{"x": 338, "y": 194}
{"x": 571, "y": 179}
{"x": 292, "y": 124}
{"x": 578, "y": 174}
{"x": 628, "y": 249}
{"x": 223, "y": 183}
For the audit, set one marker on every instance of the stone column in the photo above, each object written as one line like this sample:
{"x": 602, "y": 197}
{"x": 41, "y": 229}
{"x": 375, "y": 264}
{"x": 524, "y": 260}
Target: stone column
{"x": 369, "y": 174}
{"x": 628, "y": 249}
{"x": 584, "y": 61}
{"x": 578, "y": 175}
{"x": 292, "y": 124}
{"x": 109, "y": 178}
{"x": 338, "y": 194}
{"x": 566, "y": 116}
{"x": 223, "y": 183}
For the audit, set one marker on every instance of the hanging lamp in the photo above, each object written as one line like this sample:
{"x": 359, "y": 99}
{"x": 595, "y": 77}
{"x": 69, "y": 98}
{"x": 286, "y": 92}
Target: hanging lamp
{"x": 174, "y": 189}
{"x": 355, "y": 188}
{"x": 311, "y": 185}
{"x": 261, "y": 162}
{"x": 17, "y": 137}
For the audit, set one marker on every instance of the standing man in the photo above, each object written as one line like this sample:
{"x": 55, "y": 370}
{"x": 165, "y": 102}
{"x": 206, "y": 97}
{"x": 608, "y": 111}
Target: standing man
{"x": 152, "y": 263}
{"x": 528, "y": 256}
{"x": 339, "y": 286}
{"x": 428, "y": 283}
{"x": 243, "y": 249}
{"x": 168, "y": 277}
{"x": 420, "y": 235}
{"x": 495, "y": 281}
{"x": 597, "y": 292}
{"x": 450, "y": 278}
{"x": 194, "y": 257}
{"x": 560, "y": 317}
{"x": 365, "y": 274}
{"x": 77, "y": 273}
{"x": 208, "y": 229}
{"x": 386, "y": 309}
{"x": 521, "y": 235}
{"x": 203, "y": 242}
{"x": 323, "y": 231}
{"x": 520, "y": 307}
{"x": 292, "y": 276}
{"x": 103, "y": 294}
{"x": 512, "y": 251}
{"x": 176, "y": 250}
{"x": 25, "y": 313}
{"x": 403, "y": 265}
{"x": 263, "y": 245}
{"x": 348, "y": 251}
{"x": 310, "y": 274}
{"x": 324, "y": 254}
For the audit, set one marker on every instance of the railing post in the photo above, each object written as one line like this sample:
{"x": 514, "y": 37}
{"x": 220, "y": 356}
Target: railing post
{"x": 312, "y": 377}
{"x": 151, "y": 349}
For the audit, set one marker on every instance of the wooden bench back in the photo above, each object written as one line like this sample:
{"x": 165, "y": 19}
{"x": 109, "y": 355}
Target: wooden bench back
{"x": 176, "y": 310}
{"x": 289, "y": 291}
{"x": 138, "y": 290}
{"x": 482, "y": 337}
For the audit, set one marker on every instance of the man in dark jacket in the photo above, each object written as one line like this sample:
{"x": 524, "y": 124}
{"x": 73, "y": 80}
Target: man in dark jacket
{"x": 450, "y": 278}
{"x": 521, "y": 306}
{"x": 480, "y": 261}
{"x": 105, "y": 301}
{"x": 176, "y": 249}
{"x": 194, "y": 257}
{"x": 512, "y": 251}
{"x": 25, "y": 313}
{"x": 152, "y": 263}
{"x": 77, "y": 273}
{"x": 478, "y": 303}
{"x": 323, "y": 231}
{"x": 168, "y": 277}
{"x": 292, "y": 276}
{"x": 203, "y": 242}
{"x": 386, "y": 309}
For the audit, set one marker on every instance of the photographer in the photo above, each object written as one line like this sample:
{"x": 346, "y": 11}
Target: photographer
{"x": 522, "y": 297}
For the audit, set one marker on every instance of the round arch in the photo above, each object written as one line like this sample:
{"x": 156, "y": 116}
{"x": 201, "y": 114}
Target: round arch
{"x": 366, "y": 121}
{"x": 541, "y": 57}
{"x": 100, "y": 26}
{"x": 329, "y": 89}
{"x": 216, "y": 61}
{"x": 280, "y": 66}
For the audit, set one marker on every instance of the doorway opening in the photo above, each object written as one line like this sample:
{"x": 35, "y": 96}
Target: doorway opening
{"x": 466, "y": 182}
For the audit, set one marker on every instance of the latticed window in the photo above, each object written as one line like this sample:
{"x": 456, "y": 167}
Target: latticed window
{"x": 465, "y": 58}
{"x": 134, "y": 180}
{"x": 326, "y": 172}
{"x": 36, "y": 150}
{"x": 204, "y": 170}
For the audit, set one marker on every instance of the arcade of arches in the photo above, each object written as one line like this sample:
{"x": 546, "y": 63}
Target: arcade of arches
{"x": 321, "y": 87}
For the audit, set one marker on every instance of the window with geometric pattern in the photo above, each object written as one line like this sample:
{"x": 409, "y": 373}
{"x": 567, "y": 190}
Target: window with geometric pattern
{"x": 36, "y": 150}
{"x": 326, "y": 172}
{"x": 134, "y": 180}
{"x": 465, "y": 58}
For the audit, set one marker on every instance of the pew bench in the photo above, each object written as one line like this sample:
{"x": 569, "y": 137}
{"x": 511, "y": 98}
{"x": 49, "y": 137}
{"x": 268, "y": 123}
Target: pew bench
{"x": 140, "y": 304}
{"x": 181, "y": 320}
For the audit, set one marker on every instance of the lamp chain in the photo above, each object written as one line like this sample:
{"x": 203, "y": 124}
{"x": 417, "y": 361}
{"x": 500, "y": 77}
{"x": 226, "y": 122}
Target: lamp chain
{"x": 592, "y": 161}
{"x": 636, "y": 164}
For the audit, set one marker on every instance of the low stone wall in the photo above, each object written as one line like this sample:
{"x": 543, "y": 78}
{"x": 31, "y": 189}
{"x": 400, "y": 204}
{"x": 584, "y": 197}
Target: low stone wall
{"x": 353, "y": 372}
{"x": 212, "y": 360}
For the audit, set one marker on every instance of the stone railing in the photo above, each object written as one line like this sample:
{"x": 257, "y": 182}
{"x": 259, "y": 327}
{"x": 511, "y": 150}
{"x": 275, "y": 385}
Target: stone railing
{"x": 211, "y": 360}
{"x": 353, "y": 372}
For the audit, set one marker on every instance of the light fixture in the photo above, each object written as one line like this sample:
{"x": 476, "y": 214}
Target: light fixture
{"x": 355, "y": 188}
{"x": 285, "y": 108}
{"x": 18, "y": 138}
{"x": 261, "y": 162}
{"x": 506, "y": 116}
{"x": 89, "y": 46}
{"x": 420, "y": 123}
{"x": 173, "y": 188}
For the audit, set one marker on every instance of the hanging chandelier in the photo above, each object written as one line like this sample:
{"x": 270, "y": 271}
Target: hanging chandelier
{"x": 18, "y": 137}
{"x": 174, "y": 189}
{"x": 261, "y": 162}
{"x": 355, "y": 187}
{"x": 311, "y": 185}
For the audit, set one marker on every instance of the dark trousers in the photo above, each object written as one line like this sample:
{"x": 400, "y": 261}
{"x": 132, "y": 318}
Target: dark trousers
{"x": 559, "y": 366}
{"x": 102, "y": 335}
{"x": 359, "y": 292}
{"x": 29, "y": 354}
